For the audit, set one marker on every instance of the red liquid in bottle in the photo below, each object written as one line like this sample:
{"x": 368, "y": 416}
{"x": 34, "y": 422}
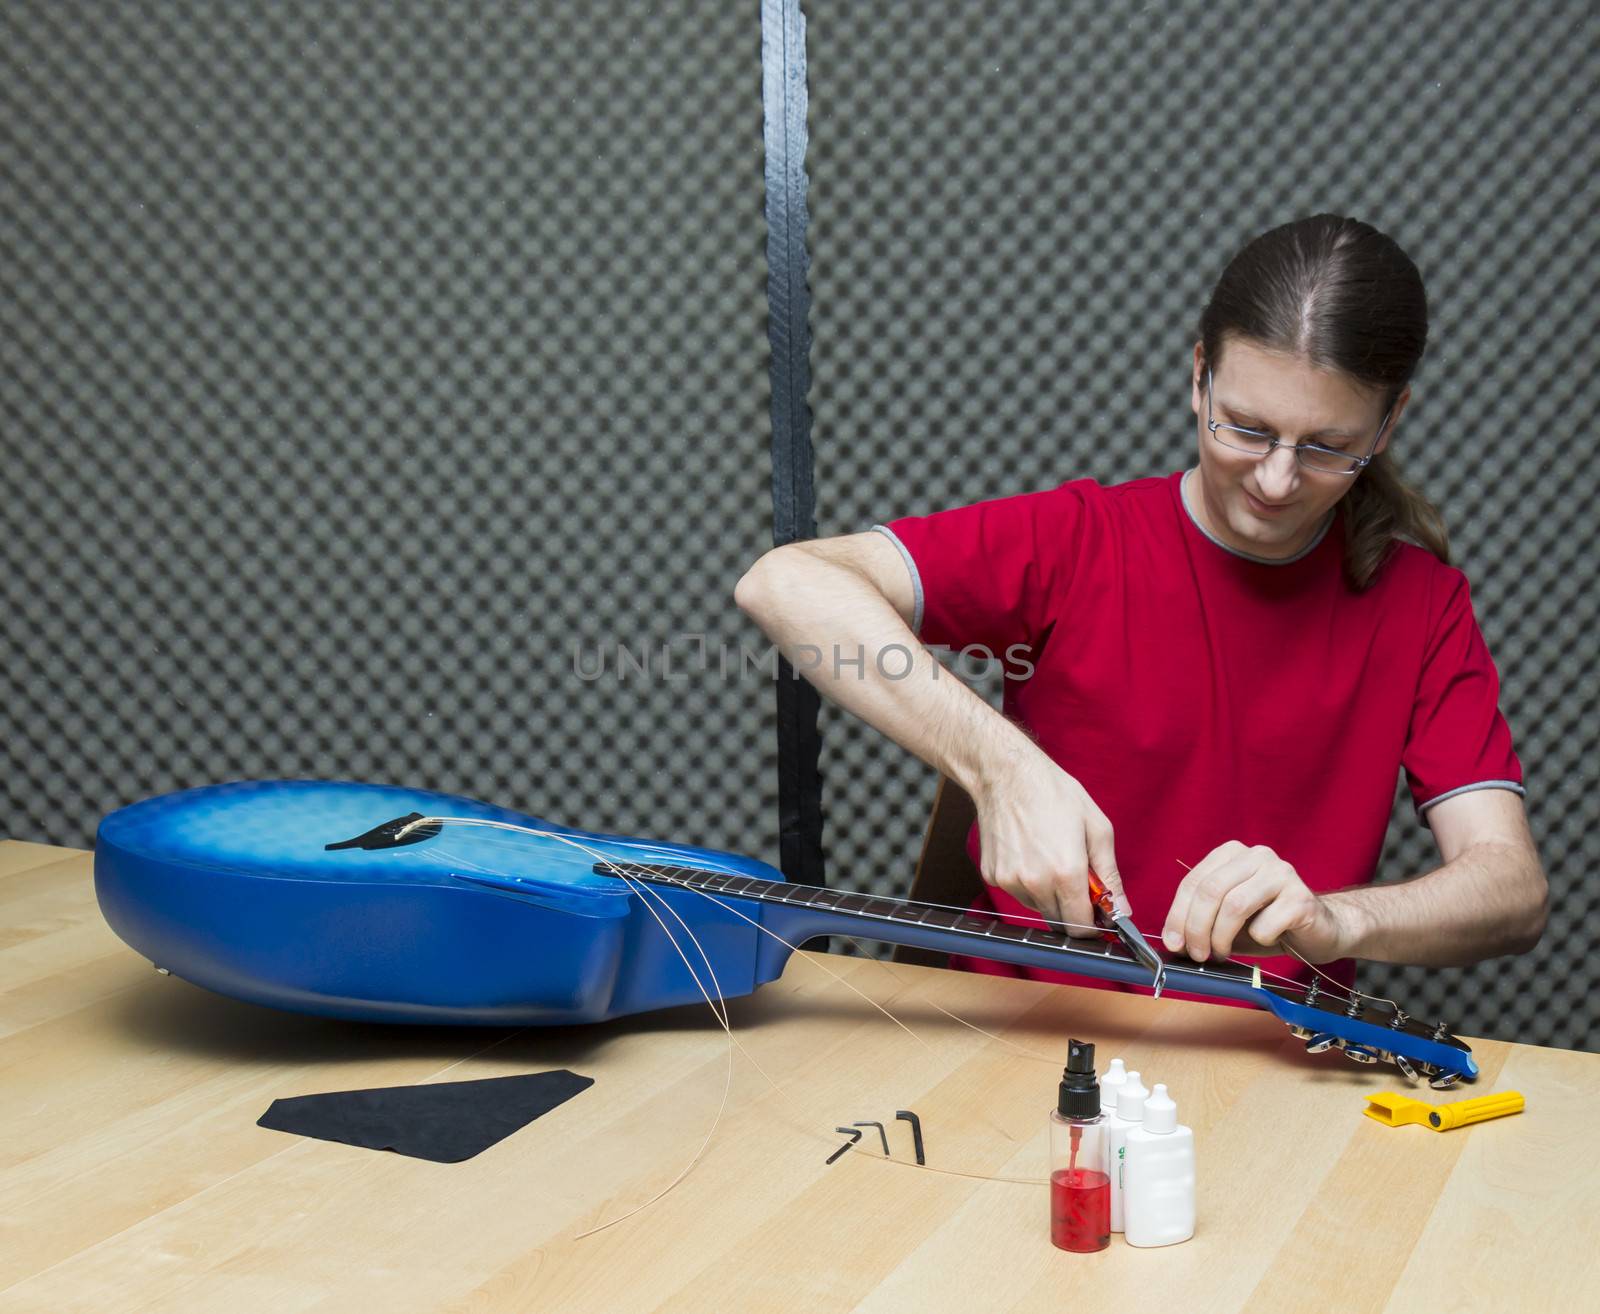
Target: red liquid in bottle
{"x": 1080, "y": 1209}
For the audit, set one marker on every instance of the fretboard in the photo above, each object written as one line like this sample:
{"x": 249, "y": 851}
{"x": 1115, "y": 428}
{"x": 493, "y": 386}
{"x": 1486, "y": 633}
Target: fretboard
{"x": 880, "y": 909}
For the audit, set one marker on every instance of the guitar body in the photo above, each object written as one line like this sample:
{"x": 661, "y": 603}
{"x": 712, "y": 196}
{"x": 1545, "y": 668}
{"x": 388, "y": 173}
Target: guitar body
{"x": 232, "y": 887}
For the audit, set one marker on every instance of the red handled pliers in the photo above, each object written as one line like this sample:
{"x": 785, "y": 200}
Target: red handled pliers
{"x": 1106, "y": 914}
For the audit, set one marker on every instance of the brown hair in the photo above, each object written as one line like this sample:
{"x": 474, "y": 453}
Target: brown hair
{"x": 1342, "y": 296}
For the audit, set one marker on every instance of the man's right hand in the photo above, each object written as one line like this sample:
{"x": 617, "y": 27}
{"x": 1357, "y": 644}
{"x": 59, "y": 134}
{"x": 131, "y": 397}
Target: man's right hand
{"x": 1041, "y": 833}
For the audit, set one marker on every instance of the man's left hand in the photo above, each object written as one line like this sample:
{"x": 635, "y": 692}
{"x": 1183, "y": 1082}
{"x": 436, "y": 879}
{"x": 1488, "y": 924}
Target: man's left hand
{"x": 1240, "y": 900}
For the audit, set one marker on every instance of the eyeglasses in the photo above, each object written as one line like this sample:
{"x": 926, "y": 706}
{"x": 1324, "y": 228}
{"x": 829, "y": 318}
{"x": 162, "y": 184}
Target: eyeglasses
{"x": 1324, "y": 460}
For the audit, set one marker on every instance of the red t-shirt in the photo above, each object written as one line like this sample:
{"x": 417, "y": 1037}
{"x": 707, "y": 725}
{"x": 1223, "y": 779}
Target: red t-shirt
{"x": 1202, "y": 695}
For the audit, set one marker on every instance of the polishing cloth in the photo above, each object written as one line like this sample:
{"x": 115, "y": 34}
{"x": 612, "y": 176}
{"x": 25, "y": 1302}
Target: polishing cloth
{"x": 447, "y": 1121}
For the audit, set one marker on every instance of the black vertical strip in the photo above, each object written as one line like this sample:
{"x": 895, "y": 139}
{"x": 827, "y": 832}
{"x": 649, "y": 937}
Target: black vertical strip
{"x": 783, "y": 81}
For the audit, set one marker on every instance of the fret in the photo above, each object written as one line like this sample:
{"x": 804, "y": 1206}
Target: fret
{"x": 689, "y": 876}
{"x": 1049, "y": 939}
{"x": 673, "y": 873}
{"x": 941, "y": 918}
{"x": 826, "y": 898}
{"x": 751, "y": 887}
{"x": 879, "y": 907}
{"x": 974, "y": 924}
{"x": 1007, "y": 931}
{"x": 852, "y": 903}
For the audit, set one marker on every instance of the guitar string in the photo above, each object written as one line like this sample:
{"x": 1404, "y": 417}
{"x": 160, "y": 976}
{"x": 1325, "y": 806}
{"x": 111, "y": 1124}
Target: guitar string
{"x": 643, "y": 888}
{"x": 1042, "y": 922}
{"x": 861, "y": 1149}
{"x": 1053, "y": 1059}
{"x": 1289, "y": 983}
{"x": 950, "y": 1172}
{"x": 640, "y": 888}
{"x": 611, "y": 862}
{"x": 719, "y": 1010}
{"x": 766, "y": 930}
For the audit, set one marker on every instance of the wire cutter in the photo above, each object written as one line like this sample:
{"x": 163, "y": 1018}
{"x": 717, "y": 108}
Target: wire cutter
{"x": 1106, "y": 913}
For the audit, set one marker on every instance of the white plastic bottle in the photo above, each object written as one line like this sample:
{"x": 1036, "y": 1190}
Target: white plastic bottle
{"x": 1129, "y": 1113}
{"x": 1110, "y": 1084}
{"x": 1158, "y": 1178}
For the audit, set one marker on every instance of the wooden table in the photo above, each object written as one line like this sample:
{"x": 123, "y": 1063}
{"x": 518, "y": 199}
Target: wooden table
{"x": 133, "y": 1176}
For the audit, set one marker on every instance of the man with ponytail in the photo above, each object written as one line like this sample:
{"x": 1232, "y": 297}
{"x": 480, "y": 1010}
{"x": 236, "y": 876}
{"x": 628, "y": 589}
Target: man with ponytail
{"x": 1227, "y": 667}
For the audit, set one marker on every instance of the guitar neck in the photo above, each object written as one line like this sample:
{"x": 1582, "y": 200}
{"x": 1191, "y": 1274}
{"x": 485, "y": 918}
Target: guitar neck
{"x": 1367, "y": 1031}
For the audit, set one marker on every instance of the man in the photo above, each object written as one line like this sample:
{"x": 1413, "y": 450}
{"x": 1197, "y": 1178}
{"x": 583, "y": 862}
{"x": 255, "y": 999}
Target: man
{"x": 1226, "y": 667}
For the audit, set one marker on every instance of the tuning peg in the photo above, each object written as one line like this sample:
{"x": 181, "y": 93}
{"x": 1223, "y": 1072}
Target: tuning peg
{"x": 1444, "y": 1080}
{"x": 1404, "y": 1064}
{"x": 1360, "y": 1053}
{"x": 1321, "y": 1042}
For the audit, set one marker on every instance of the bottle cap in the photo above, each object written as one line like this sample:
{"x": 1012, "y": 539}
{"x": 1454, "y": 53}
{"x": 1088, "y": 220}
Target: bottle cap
{"x": 1079, "y": 1093}
{"x": 1160, "y": 1112}
{"x": 1110, "y": 1084}
{"x": 1131, "y": 1099}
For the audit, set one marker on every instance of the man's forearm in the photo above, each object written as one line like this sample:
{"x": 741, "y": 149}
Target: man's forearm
{"x": 839, "y": 632}
{"x": 1488, "y": 901}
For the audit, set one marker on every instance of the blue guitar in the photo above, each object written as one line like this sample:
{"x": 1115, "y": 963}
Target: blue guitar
{"x": 404, "y": 905}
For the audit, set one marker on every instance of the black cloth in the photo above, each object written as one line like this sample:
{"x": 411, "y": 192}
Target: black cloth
{"x": 447, "y": 1122}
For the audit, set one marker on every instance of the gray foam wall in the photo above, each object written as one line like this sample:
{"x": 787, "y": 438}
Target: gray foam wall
{"x": 367, "y": 366}
{"x": 364, "y": 366}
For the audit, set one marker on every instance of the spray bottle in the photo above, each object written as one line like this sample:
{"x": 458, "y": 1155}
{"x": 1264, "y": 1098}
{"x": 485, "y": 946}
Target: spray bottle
{"x": 1080, "y": 1190}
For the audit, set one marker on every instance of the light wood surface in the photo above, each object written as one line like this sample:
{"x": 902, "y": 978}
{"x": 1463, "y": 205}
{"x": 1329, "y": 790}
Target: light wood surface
{"x": 133, "y": 1176}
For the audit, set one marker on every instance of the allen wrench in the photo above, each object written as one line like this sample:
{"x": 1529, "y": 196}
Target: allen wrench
{"x": 854, "y": 1133}
{"x": 905, "y": 1115}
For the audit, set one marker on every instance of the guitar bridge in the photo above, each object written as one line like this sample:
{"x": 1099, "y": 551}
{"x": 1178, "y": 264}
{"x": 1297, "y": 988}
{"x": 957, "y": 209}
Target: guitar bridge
{"x": 384, "y": 836}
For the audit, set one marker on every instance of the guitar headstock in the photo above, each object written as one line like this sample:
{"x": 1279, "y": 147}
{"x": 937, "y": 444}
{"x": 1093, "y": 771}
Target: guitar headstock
{"x": 1368, "y": 1030}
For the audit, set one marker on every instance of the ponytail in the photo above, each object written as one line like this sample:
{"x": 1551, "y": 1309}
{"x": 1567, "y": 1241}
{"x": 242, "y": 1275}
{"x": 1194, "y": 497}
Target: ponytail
{"x": 1381, "y": 510}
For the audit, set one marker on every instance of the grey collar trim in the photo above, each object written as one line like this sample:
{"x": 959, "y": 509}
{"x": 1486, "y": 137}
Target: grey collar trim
{"x": 1249, "y": 556}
